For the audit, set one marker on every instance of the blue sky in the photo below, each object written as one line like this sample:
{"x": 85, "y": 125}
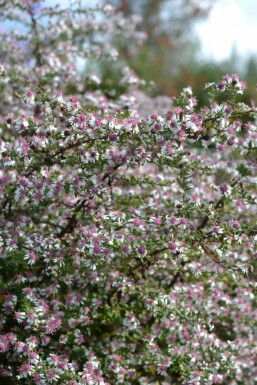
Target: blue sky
{"x": 232, "y": 23}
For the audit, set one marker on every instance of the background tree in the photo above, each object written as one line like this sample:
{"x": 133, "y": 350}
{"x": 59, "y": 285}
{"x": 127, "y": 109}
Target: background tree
{"x": 170, "y": 54}
{"x": 170, "y": 44}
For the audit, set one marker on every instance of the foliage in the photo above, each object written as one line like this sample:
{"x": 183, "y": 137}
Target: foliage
{"x": 128, "y": 243}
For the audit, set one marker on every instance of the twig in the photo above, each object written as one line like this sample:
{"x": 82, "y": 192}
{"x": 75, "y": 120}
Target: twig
{"x": 206, "y": 219}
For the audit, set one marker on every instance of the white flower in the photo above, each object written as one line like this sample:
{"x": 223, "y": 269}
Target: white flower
{"x": 8, "y": 162}
{"x": 94, "y": 78}
{"x": 188, "y": 91}
{"x": 2, "y": 70}
{"x": 51, "y": 128}
{"x": 2, "y": 147}
{"x": 208, "y": 85}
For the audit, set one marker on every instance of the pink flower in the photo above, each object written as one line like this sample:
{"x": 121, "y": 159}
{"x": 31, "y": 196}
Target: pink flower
{"x": 172, "y": 246}
{"x": 183, "y": 221}
{"x": 25, "y": 369}
{"x": 142, "y": 250}
{"x": 37, "y": 378}
{"x": 136, "y": 222}
{"x": 235, "y": 224}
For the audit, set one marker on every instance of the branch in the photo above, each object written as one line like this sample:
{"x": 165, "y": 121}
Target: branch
{"x": 34, "y": 30}
{"x": 219, "y": 204}
{"x": 49, "y": 159}
{"x": 233, "y": 114}
{"x": 72, "y": 221}
{"x": 177, "y": 275}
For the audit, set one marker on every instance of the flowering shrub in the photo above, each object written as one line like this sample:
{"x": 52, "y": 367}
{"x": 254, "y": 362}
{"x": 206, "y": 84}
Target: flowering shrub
{"x": 128, "y": 243}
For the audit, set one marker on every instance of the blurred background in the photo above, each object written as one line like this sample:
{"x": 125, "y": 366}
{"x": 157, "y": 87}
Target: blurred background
{"x": 192, "y": 42}
{"x": 189, "y": 43}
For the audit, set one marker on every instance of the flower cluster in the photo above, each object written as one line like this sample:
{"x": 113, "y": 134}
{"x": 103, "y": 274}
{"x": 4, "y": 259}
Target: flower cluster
{"x": 128, "y": 242}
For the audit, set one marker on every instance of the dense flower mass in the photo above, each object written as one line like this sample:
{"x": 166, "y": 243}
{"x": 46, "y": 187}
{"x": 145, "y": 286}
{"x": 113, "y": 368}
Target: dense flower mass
{"x": 128, "y": 241}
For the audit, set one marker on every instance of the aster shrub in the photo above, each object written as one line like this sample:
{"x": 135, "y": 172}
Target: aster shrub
{"x": 128, "y": 240}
